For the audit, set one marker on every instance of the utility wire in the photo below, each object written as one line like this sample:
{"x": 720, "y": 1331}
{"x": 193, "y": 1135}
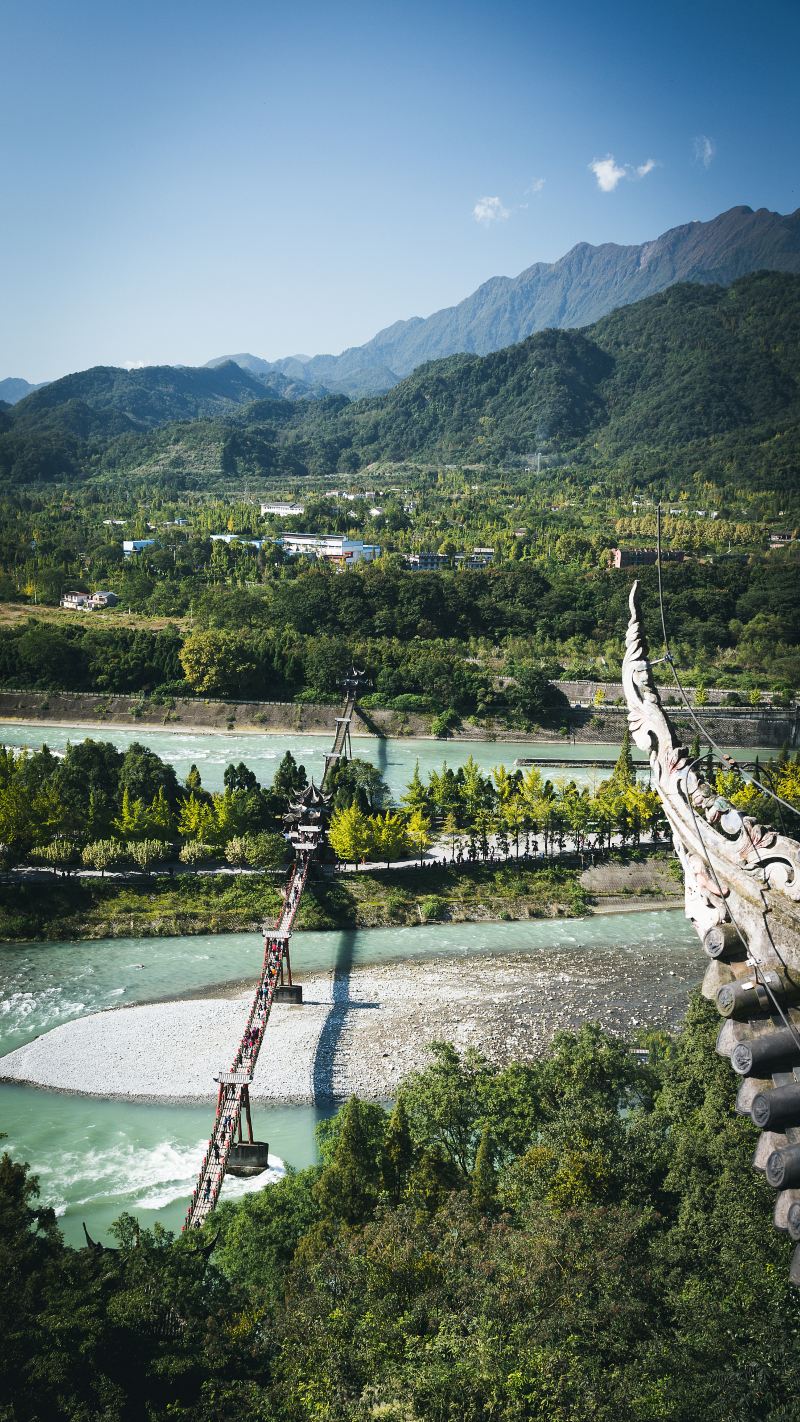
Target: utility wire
{"x": 731, "y": 762}
{"x": 751, "y": 961}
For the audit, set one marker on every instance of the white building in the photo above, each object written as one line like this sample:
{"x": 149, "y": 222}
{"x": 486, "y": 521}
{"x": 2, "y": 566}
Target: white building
{"x": 280, "y": 510}
{"x": 237, "y": 538}
{"x": 88, "y": 602}
{"x": 332, "y": 546}
{"x": 135, "y": 545}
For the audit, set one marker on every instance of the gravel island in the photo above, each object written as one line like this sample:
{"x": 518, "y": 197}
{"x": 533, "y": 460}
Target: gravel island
{"x": 361, "y": 1029}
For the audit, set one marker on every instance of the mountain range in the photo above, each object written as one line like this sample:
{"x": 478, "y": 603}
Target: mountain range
{"x": 14, "y": 389}
{"x": 577, "y": 290}
{"x": 698, "y": 380}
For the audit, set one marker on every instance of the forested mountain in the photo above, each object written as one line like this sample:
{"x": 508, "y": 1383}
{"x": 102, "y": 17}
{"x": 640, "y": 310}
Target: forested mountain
{"x": 582, "y": 286}
{"x": 691, "y": 364}
{"x": 701, "y": 377}
{"x": 286, "y": 387}
{"x": 108, "y": 400}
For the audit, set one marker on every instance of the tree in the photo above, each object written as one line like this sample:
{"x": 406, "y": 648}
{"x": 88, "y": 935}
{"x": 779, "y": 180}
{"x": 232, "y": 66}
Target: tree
{"x": 133, "y": 821}
{"x": 483, "y": 1183}
{"x": 239, "y": 777}
{"x": 265, "y": 850}
{"x": 289, "y": 782}
{"x": 623, "y": 776}
{"x": 197, "y": 820}
{"x": 445, "y": 1103}
{"x": 143, "y": 774}
{"x": 358, "y": 782}
{"x": 147, "y": 852}
{"x": 398, "y": 1152}
{"x": 389, "y": 835}
{"x": 17, "y": 819}
{"x": 534, "y": 697}
{"x": 350, "y": 834}
{"x": 450, "y": 832}
{"x": 194, "y": 853}
{"x": 348, "y": 1187}
{"x": 102, "y": 854}
{"x": 415, "y": 797}
{"x": 218, "y": 663}
{"x": 193, "y": 780}
{"x": 418, "y": 831}
{"x": 59, "y": 854}
{"x": 236, "y": 851}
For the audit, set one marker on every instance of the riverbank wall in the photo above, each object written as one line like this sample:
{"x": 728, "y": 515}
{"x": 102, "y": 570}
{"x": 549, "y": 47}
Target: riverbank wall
{"x": 742, "y": 726}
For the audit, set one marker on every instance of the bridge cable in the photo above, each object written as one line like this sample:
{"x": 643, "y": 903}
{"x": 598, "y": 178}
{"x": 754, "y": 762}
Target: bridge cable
{"x": 732, "y": 763}
{"x": 751, "y": 961}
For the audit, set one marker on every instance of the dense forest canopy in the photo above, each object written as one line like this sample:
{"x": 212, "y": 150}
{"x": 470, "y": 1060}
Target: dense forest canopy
{"x": 451, "y": 639}
{"x": 581, "y": 1239}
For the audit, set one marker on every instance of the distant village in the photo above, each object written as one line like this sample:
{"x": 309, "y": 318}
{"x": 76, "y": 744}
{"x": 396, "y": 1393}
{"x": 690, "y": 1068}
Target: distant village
{"x": 346, "y": 552}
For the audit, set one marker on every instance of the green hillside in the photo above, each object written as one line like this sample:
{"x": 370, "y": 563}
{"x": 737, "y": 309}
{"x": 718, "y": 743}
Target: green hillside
{"x": 698, "y": 378}
{"x": 693, "y": 366}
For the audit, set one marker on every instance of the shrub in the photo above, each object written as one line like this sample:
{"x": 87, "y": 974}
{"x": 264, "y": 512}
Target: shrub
{"x": 236, "y": 851}
{"x": 102, "y": 854}
{"x": 433, "y": 908}
{"x": 145, "y": 853}
{"x": 194, "y": 853}
{"x": 265, "y": 851}
{"x": 445, "y": 723}
{"x": 410, "y": 701}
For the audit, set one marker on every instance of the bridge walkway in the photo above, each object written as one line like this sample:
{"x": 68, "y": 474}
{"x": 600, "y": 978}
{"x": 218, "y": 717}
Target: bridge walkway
{"x": 234, "y": 1084}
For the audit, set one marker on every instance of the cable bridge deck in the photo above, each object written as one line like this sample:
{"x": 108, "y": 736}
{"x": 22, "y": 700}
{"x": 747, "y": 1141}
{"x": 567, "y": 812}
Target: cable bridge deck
{"x": 233, "y": 1096}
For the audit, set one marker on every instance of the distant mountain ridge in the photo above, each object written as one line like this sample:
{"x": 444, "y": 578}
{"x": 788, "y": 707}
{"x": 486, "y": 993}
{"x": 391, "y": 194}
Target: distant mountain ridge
{"x": 696, "y": 380}
{"x": 107, "y": 400}
{"x": 14, "y": 388}
{"x": 577, "y": 290}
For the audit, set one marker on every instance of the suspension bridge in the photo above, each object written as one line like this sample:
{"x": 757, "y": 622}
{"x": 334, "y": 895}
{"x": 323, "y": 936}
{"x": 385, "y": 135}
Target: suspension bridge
{"x": 228, "y": 1149}
{"x": 742, "y": 883}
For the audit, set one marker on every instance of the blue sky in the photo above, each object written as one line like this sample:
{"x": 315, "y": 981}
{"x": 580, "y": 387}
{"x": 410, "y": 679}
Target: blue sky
{"x": 183, "y": 180}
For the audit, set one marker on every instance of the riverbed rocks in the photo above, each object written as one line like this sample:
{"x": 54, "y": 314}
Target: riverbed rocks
{"x": 363, "y": 1030}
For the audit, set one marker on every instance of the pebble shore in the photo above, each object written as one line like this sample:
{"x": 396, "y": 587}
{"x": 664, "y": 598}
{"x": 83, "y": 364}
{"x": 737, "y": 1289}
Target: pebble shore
{"x": 363, "y": 1029}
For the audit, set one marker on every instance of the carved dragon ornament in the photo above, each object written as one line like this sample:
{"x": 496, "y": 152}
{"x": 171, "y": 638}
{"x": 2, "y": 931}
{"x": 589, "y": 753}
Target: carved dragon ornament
{"x": 735, "y": 870}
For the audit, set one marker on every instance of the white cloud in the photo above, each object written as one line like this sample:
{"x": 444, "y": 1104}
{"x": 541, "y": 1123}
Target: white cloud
{"x": 134, "y": 364}
{"x": 488, "y": 210}
{"x": 537, "y": 185}
{"x": 704, "y": 150}
{"x": 609, "y": 173}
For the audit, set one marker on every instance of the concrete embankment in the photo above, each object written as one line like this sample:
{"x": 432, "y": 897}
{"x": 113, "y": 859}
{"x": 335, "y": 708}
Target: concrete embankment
{"x": 761, "y": 726}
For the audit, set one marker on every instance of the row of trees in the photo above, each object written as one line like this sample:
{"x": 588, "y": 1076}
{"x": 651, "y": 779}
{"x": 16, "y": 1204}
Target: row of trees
{"x": 452, "y": 638}
{"x": 104, "y": 808}
{"x": 99, "y": 806}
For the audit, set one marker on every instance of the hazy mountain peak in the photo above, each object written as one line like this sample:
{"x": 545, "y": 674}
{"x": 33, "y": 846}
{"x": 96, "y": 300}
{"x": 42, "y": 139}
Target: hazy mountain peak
{"x": 586, "y": 283}
{"x": 14, "y": 388}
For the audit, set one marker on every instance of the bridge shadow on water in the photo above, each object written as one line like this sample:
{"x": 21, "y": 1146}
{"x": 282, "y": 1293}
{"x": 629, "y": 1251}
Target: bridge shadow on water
{"x": 382, "y": 758}
{"x": 333, "y": 1028}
